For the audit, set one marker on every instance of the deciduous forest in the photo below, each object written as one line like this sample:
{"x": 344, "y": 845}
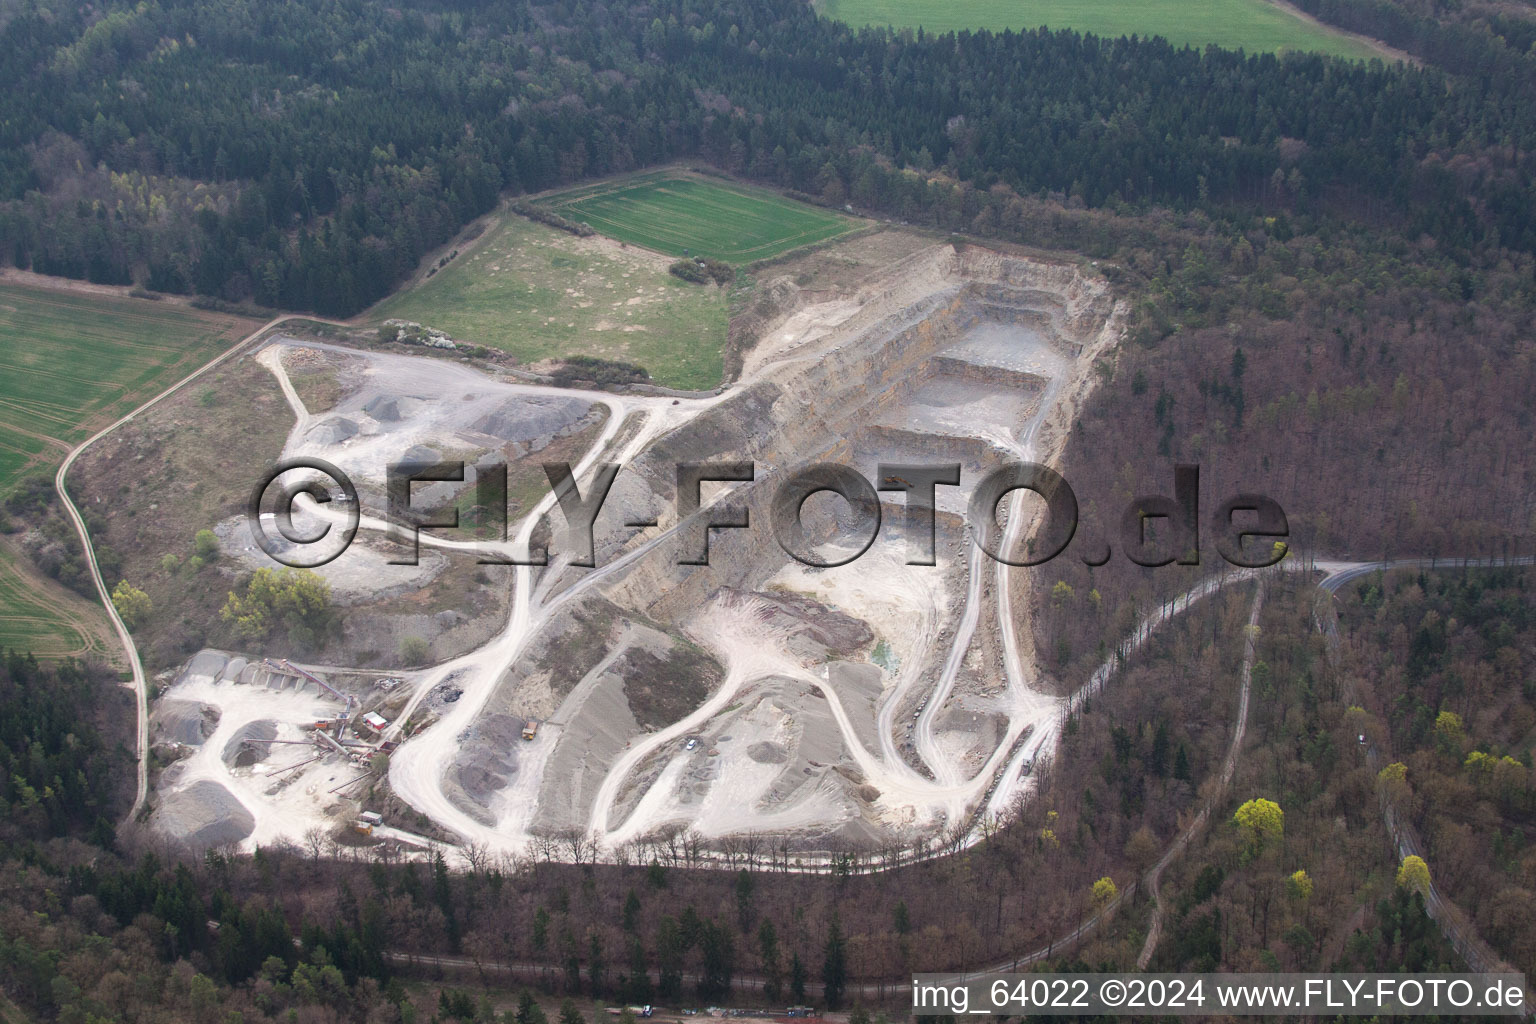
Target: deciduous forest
{"x": 1330, "y": 266}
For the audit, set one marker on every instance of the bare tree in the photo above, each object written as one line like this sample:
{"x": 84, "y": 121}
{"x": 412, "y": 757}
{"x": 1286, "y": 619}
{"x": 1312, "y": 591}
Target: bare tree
{"x": 477, "y": 855}
{"x": 671, "y": 834}
{"x": 675, "y": 845}
{"x": 513, "y": 864}
{"x": 954, "y": 837}
{"x": 314, "y": 842}
{"x": 693, "y": 846}
{"x": 573, "y": 841}
{"x": 751, "y": 848}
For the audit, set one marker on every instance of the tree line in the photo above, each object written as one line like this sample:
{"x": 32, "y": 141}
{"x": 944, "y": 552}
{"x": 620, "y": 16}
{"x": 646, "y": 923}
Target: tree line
{"x": 306, "y": 155}
{"x": 296, "y": 934}
{"x": 56, "y": 769}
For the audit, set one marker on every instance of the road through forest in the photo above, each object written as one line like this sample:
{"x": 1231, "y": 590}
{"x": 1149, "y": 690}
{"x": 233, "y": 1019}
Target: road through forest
{"x": 418, "y": 766}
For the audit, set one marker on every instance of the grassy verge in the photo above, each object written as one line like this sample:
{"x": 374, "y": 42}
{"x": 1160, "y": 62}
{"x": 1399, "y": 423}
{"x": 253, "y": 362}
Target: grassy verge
{"x": 540, "y": 294}
{"x": 70, "y": 364}
{"x": 39, "y": 616}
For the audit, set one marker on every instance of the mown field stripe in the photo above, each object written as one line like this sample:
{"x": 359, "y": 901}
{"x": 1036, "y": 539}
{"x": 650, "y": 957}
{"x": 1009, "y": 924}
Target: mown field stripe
{"x": 681, "y": 215}
{"x": 69, "y": 364}
{"x": 33, "y": 621}
{"x": 1256, "y": 26}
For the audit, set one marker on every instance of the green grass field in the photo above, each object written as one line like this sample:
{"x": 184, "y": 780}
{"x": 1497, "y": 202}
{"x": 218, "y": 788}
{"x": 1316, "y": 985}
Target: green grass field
{"x": 38, "y": 616}
{"x": 69, "y": 365}
{"x": 680, "y": 214}
{"x": 539, "y": 294}
{"x": 1252, "y": 25}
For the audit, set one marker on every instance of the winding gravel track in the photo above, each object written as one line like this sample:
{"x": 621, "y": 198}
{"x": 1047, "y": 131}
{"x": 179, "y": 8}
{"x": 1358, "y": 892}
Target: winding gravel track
{"x": 140, "y": 683}
{"x": 417, "y": 769}
{"x": 1030, "y": 709}
{"x": 1478, "y": 954}
{"x": 1452, "y": 920}
{"x": 1153, "y": 878}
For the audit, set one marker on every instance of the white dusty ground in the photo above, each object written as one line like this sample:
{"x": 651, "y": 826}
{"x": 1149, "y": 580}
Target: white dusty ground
{"x": 864, "y": 713}
{"x": 278, "y": 804}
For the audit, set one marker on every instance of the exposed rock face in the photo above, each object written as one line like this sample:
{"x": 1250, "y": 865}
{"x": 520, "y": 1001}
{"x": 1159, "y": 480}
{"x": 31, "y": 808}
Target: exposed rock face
{"x": 944, "y": 359}
{"x": 757, "y": 694}
{"x": 912, "y": 329}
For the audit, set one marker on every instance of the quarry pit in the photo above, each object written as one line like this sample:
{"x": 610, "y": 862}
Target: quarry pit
{"x": 755, "y": 699}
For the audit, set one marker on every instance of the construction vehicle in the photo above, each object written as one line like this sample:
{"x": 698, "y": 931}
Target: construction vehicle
{"x": 530, "y": 728}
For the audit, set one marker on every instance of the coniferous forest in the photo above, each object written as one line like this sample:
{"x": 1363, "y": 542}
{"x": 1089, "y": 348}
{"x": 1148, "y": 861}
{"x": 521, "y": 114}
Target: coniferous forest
{"x": 1331, "y": 269}
{"x": 304, "y": 155}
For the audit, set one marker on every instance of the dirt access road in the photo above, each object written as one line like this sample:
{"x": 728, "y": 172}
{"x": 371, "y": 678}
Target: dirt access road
{"x": 140, "y": 683}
